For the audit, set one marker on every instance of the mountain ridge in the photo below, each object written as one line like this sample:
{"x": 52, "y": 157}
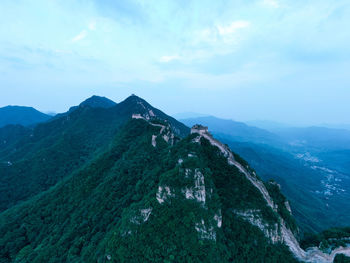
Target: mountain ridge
{"x": 144, "y": 177}
{"x": 147, "y": 196}
{"x": 62, "y": 144}
{"x": 22, "y": 115}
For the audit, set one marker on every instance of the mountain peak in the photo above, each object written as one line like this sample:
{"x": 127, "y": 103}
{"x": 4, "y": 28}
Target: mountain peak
{"x": 21, "y": 115}
{"x": 98, "y": 102}
{"x": 135, "y": 99}
{"x": 139, "y": 106}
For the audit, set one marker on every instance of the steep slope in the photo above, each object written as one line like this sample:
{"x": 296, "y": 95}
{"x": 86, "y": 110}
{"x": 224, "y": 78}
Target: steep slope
{"x": 21, "y": 115}
{"x": 140, "y": 106}
{"x": 319, "y": 195}
{"x": 151, "y": 198}
{"x": 10, "y": 134}
{"x": 146, "y": 199}
{"x": 43, "y": 155}
{"x": 313, "y": 176}
{"x": 149, "y": 202}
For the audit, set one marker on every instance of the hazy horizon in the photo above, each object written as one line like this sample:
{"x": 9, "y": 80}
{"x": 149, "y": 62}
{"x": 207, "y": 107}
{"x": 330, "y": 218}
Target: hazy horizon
{"x": 275, "y": 60}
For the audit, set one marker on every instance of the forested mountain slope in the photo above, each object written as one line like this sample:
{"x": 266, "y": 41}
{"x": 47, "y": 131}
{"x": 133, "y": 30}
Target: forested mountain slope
{"x": 310, "y": 164}
{"x": 34, "y": 159}
{"x": 153, "y": 193}
{"x": 145, "y": 201}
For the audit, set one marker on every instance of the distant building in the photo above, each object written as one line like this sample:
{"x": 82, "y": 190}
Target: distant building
{"x": 199, "y": 129}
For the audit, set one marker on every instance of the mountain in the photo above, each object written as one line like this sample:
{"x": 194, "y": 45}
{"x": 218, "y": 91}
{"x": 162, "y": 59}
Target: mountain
{"x": 92, "y": 102}
{"x": 120, "y": 201}
{"x": 98, "y": 102}
{"x": 147, "y": 190}
{"x": 45, "y": 154}
{"x": 267, "y": 125}
{"x": 21, "y": 115}
{"x": 342, "y": 126}
{"x": 149, "y": 199}
{"x": 314, "y": 173}
{"x": 237, "y": 130}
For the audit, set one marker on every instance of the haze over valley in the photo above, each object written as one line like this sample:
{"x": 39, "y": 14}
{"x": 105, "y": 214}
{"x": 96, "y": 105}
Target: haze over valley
{"x": 174, "y": 131}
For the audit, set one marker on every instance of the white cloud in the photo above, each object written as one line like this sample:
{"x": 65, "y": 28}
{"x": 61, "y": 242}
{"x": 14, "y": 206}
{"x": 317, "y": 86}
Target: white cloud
{"x": 166, "y": 59}
{"x": 232, "y": 28}
{"x": 80, "y": 36}
{"x": 222, "y": 36}
{"x": 271, "y": 3}
{"x": 92, "y": 26}
{"x": 218, "y": 39}
{"x": 83, "y": 34}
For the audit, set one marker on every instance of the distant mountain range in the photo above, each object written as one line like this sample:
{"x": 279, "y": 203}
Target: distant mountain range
{"x": 21, "y": 115}
{"x": 27, "y": 116}
{"x": 239, "y": 131}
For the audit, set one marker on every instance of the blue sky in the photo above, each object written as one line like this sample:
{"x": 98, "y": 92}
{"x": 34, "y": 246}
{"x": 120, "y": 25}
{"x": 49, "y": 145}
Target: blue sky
{"x": 280, "y": 60}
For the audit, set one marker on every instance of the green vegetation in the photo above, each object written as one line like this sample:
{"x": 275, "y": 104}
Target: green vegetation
{"x": 89, "y": 186}
{"x": 281, "y": 202}
{"x": 330, "y": 238}
{"x": 42, "y": 156}
{"x": 95, "y": 213}
{"x": 304, "y": 183}
{"x": 341, "y": 259}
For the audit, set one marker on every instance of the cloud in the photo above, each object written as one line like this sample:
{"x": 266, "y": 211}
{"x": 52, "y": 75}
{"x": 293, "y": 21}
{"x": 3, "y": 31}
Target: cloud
{"x": 271, "y": 3}
{"x": 221, "y": 32}
{"x": 232, "y": 27}
{"x": 166, "y": 59}
{"x": 80, "y": 36}
{"x": 92, "y": 26}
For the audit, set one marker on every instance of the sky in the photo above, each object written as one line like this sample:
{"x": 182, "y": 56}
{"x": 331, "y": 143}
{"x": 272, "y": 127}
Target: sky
{"x": 281, "y": 60}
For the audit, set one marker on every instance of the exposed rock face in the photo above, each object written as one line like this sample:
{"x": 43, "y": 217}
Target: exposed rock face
{"x": 145, "y": 213}
{"x": 218, "y": 219}
{"x": 154, "y": 143}
{"x": 164, "y": 193}
{"x": 205, "y": 232}
{"x": 141, "y": 216}
{"x": 254, "y": 217}
{"x": 199, "y": 186}
{"x": 196, "y": 191}
{"x": 288, "y": 207}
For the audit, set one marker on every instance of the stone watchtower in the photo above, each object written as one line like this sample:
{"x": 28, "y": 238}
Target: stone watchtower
{"x": 199, "y": 129}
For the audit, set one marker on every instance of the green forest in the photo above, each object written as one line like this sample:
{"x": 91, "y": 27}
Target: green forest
{"x": 88, "y": 216}
{"x": 96, "y": 185}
